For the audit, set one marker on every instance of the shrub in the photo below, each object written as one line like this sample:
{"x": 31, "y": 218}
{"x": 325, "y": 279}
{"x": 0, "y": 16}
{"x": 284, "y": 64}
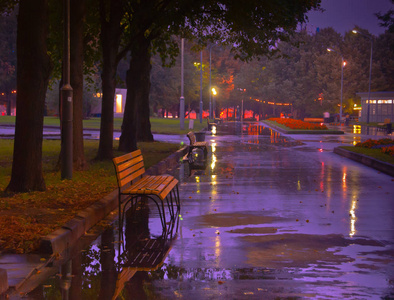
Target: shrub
{"x": 388, "y": 150}
{"x": 298, "y": 124}
{"x": 373, "y": 143}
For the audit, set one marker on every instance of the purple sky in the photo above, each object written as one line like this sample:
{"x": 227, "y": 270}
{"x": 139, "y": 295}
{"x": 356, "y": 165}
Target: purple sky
{"x": 343, "y": 15}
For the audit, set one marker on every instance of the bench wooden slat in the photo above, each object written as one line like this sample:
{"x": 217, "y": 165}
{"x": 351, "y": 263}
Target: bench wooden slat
{"x": 168, "y": 189}
{"x": 160, "y": 186}
{"x": 129, "y": 163}
{"x": 123, "y": 172}
{"x": 121, "y": 159}
{"x": 131, "y": 177}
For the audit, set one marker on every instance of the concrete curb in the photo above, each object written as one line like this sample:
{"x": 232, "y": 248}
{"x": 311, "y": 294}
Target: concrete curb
{"x": 69, "y": 233}
{"x": 303, "y": 131}
{"x": 366, "y": 160}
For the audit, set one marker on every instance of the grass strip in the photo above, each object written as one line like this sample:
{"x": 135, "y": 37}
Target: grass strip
{"x": 373, "y": 153}
{"x": 158, "y": 125}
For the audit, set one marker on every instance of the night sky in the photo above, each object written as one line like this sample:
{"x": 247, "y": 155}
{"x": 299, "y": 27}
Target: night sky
{"x": 343, "y": 15}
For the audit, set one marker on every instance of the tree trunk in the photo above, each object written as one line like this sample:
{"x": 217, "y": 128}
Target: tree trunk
{"x": 144, "y": 133}
{"x": 77, "y": 19}
{"x": 33, "y": 70}
{"x": 110, "y": 40}
{"x": 136, "y": 122}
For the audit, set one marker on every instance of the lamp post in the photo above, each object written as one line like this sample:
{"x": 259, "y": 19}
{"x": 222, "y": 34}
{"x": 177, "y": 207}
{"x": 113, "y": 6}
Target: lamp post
{"x": 342, "y": 65}
{"x": 210, "y": 87}
{"x": 66, "y": 102}
{"x": 201, "y": 87}
{"x": 370, "y": 69}
{"x": 182, "y": 99}
{"x": 214, "y": 93}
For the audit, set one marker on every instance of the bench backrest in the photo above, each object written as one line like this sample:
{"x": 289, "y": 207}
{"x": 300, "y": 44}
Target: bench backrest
{"x": 192, "y": 137}
{"x": 128, "y": 167}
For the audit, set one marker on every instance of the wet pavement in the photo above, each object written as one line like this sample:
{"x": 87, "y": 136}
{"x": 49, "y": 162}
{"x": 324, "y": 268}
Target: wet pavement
{"x": 266, "y": 216}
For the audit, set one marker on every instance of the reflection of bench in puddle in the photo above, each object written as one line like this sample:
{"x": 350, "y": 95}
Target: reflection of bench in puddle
{"x": 142, "y": 251}
{"x": 146, "y": 255}
{"x": 194, "y": 168}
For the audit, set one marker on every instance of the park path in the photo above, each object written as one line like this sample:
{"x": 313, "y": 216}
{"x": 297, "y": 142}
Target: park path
{"x": 268, "y": 216}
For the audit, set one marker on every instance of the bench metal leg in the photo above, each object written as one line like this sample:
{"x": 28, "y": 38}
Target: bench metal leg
{"x": 172, "y": 200}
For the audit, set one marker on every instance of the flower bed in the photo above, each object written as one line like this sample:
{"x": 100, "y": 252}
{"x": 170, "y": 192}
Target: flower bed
{"x": 386, "y": 145}
{"x": 298, "y": 124}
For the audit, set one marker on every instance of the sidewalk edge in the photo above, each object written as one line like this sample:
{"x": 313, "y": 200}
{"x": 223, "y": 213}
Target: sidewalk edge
{"x": 366, "y": 160}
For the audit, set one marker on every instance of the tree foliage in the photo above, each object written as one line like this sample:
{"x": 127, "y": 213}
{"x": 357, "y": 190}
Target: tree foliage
{"x": 8, "y": 51}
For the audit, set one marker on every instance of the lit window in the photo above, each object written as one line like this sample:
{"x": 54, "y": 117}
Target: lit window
{"x": 118, "y": 103}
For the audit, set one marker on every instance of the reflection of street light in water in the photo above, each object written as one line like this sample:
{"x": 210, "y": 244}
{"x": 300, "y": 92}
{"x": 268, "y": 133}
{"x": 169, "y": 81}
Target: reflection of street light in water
{"x": 353, "y": 218}
{"x": 213, "y": 156}
{"x": 213, "y": 147}
{"x": 213, "y": 161}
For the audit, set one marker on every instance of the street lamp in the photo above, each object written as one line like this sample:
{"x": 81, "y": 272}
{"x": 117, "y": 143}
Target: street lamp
{"x": 343, "y": 63}
{"x": 201, "y": 89}
{"x": 214, "y": 93}
{"x": 370, "y": 69}
{"x": 210, "y": 96}
{"x": 182, "y": 98}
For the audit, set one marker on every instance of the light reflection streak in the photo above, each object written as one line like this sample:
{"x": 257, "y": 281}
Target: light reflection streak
{"x": 198, "y": 184}
{"x": 213, "y": 146}
{"x": 322, "y": 177}
{"x": 217, "y": 246}
{"x": 213, "y": 161}
{"x": 353, "y": 218}
{"x": 214, "y": 186}
{"x": 213, "y": 130}
{"x": 357, "y": 129}
{"x": 344, "y": 180}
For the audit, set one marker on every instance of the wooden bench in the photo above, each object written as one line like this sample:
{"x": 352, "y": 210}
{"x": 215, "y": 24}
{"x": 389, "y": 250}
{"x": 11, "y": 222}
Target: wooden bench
{"x": 210, "y": 124}
{"x": 194, "y": 144}
{"x": 134, "y": 185}
{"x": 386, "y": 126}
{"x": 314, "y": 120}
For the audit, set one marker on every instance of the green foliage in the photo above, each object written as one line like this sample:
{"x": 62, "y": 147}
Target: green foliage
{"x": 8, "y": 51}
{"x": 374, "y": 153}
{"x": 303, "y": 74}
{"x": 7, "y": 5}
{"x": 92, "y": 55}
{"x": 387, "y": 19}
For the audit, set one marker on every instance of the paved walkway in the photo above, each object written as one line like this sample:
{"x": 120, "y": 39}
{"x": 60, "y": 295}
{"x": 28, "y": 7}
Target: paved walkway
{"x": 271, "y": 216}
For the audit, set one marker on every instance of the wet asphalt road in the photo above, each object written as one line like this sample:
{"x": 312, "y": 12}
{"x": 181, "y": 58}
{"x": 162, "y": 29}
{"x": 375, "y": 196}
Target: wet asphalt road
{"x": 270, "y": 217}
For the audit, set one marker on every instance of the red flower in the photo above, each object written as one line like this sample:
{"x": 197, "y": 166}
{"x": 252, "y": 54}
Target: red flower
{"x": 298, "y": 124}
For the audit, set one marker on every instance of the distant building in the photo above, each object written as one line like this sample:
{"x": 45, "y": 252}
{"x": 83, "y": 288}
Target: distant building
{"x": 119, "y": 103}
{"x": 381, "y": 106}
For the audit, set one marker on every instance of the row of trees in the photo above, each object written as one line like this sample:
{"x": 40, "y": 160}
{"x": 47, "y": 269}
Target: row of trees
{"x": 307, "y": 76}
{"x": 113, "y": 28}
